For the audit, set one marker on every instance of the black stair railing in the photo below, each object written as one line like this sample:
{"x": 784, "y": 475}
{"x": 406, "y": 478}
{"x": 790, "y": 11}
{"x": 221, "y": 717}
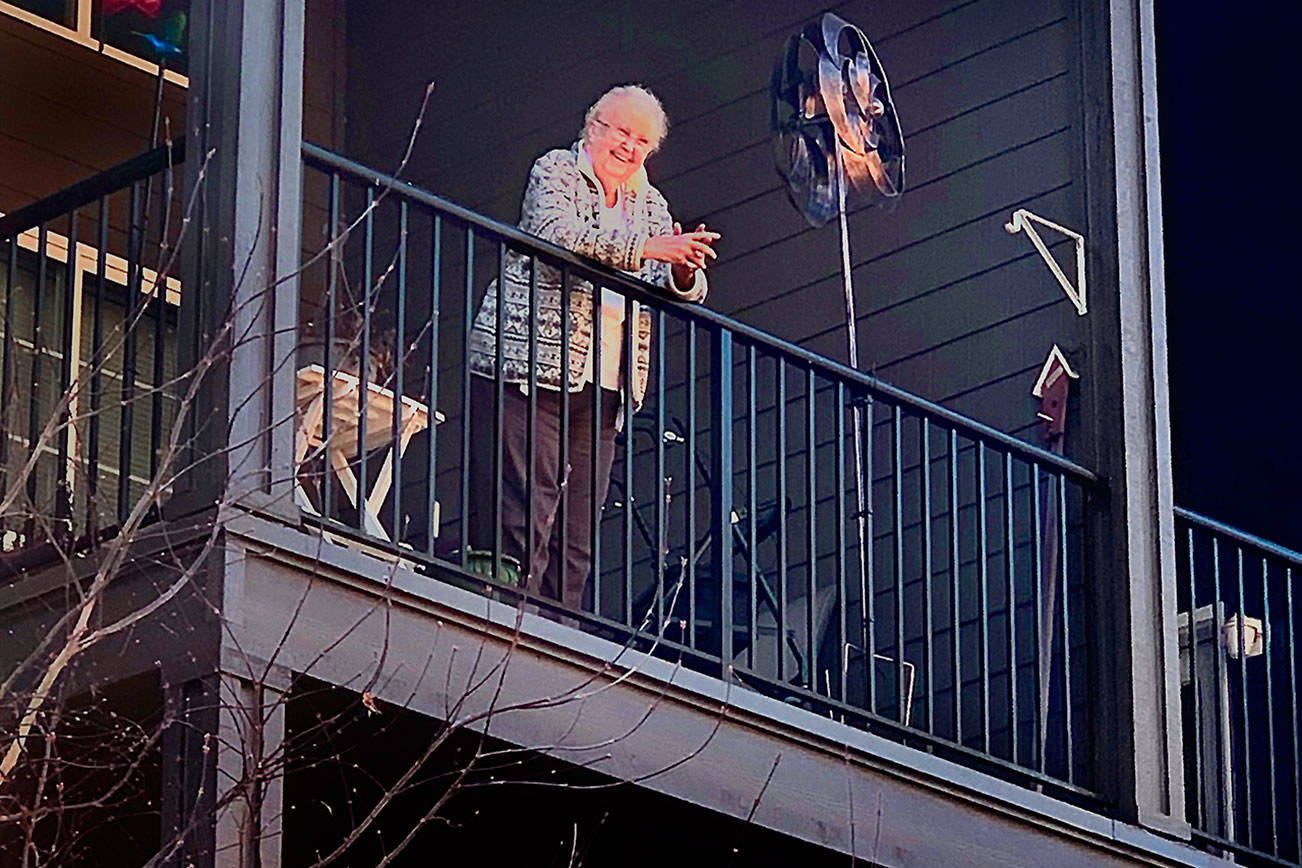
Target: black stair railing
{"x": 729, "y": 536}
{"x": 87, "y": 355}
{"x": 1240, "y": 657}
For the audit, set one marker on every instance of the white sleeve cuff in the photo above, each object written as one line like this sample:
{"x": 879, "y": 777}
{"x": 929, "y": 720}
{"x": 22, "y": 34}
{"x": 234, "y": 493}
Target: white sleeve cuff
{"x": 695, "y": 292}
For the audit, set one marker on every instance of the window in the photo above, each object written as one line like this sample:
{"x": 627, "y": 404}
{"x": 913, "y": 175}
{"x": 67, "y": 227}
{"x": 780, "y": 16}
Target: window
{"x": 142, "y": 33}
{"x": 92, "y": 445}
{"x": 62, "y": 12}
{"x": 156, "y": 30}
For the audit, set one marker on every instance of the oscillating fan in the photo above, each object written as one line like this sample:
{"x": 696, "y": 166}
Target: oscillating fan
{"x": 838, "y": 141}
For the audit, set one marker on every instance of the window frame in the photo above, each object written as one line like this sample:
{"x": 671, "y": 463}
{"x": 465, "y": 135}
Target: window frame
{"x": 86, "y": 265}
{"x": 81, "y": 35}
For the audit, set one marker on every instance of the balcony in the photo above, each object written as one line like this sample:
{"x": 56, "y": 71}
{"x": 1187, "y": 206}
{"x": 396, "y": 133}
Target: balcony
{"x": 1239, "y": 665}
{"x": 89, "y": 362}
{"x": 949, "y": 614}
{"x": 959, "y": 519}
{"x": 237, "y": 438}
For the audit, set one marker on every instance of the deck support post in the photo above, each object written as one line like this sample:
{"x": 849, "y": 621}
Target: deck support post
{"x": 1137, "y": 736}
{"x": 245, "y": 122}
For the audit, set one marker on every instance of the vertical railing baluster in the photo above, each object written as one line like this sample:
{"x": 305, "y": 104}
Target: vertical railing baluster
{"x": 364, "y": 361}
{"x": 955, "y": 599}
{"x": 780, "y": 633}
{"x": 1292, "y": 645}
{"x": 96, "y": 368}
{"x": 661, "y": 508}
{"x": 594, "y": 447}
{"x": 1043, "y": 670}
{"x": 1066, "y": 629}
{"x": 808, "y": 676}
{"x": 1010, "y": 600}
{"x": 127, "y": 419}
{"x": 561, "y": 523}
{"x": 34, "y": 399}
{"x": 63, "y": 483}
{"x": 499, "y": 411}
{"x": 1243, "y": 699}
{"x": 983, "y": 595}
{"x": 1220, "y": 685}
{"x": 327, "y": 361}
{"x": 690, "y": 589}
{"x": 531, "y": 428}
{"x": 721, "y": 494}
{"x": 432, "y": 516}
{"x": 399, "y": 363}
{"x": 631, "y": 316}
{"x": 897, "y": 532}
{"x": 6, "y": 369}
{"x": 752, "y": 507}
{"x": 1196, "y": 750}
{"x": 869, "y": 605}
{"x": 838, "y": 476}
{"x": 157, "y": 299}
{"x": 1267, "y": 632}
{"x": 928, "y": 615}
{"x": 467, "y": 319}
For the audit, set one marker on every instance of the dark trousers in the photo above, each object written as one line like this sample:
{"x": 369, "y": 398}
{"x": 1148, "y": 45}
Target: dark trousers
{"x": 585, "y": 482}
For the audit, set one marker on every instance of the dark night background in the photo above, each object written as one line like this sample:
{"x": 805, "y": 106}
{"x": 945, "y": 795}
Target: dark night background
{"x": 1227, "y": 113}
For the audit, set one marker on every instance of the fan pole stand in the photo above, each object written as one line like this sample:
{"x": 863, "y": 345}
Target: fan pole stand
{"x": 852, "y": 344}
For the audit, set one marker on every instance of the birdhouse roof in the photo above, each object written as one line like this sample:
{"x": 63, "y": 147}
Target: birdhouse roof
{"x": 1054, "y": 367}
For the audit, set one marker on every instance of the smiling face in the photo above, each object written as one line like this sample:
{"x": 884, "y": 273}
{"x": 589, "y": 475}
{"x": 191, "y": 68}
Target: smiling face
{"x": 619, "y": 139}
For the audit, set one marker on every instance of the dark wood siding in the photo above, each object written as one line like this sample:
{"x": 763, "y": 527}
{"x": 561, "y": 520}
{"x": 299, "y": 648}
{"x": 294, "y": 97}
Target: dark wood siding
{"x": 67, "y": 112}
{"x": 325, "y": 76}
{"x": 950, "y": 306}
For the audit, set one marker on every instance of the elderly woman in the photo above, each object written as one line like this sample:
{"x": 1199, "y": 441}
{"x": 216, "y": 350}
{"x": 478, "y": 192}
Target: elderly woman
{"x": 594, "y": 199}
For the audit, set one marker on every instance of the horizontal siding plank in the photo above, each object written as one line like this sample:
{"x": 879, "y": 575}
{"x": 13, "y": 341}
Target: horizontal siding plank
{"x": 950, "y": 305}
{"x": 692, "y": 97}
{"x": 983, "y": 355}
{"x": 69, "y": 133}
{"x": 118, "y": 96}
{"x": 702, "y": 67}
{"x": 980, "y": 191}
{"x": 882, "y": 284}
{"x": 42, "y": 172}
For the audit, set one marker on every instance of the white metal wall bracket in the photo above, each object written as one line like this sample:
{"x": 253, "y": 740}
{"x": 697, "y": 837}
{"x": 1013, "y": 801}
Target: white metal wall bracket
{"x": 1022, "y": 220}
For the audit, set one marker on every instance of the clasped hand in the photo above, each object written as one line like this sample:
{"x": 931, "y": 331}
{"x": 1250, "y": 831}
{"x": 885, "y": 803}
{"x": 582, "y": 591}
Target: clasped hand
{"x": 690, "y": 249}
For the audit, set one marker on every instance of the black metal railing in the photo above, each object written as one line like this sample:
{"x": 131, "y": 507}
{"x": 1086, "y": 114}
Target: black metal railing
{"x": 1239, "y": 619}
{"x": 731, "y": 532}
{"x": 87, "y": 356}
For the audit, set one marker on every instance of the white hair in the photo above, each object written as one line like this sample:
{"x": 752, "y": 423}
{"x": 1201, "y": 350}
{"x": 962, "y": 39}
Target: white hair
{"x": 628, "y": 91}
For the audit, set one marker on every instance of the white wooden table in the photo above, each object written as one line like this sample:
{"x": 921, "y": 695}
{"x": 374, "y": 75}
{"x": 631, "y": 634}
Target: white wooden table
{"x": 345, "y": 416}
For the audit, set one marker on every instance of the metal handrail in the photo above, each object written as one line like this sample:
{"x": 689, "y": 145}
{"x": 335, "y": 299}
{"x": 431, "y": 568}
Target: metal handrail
{"x": 1242, "y": 536}
{"x": 54, "y": 231}
{"x": 1243, "y": 730}
{"x": 644, "y": 292}
{"x": 1011, "y": 513}
{"x": 101, "y": 184}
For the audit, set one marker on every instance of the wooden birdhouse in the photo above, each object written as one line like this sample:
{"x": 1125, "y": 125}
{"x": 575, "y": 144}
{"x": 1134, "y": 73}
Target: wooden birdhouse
{"x": 1052, "y": 388}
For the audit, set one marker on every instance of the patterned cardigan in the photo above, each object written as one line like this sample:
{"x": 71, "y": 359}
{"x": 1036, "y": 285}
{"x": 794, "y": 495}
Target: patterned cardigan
{"x": 562, "y": 205}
